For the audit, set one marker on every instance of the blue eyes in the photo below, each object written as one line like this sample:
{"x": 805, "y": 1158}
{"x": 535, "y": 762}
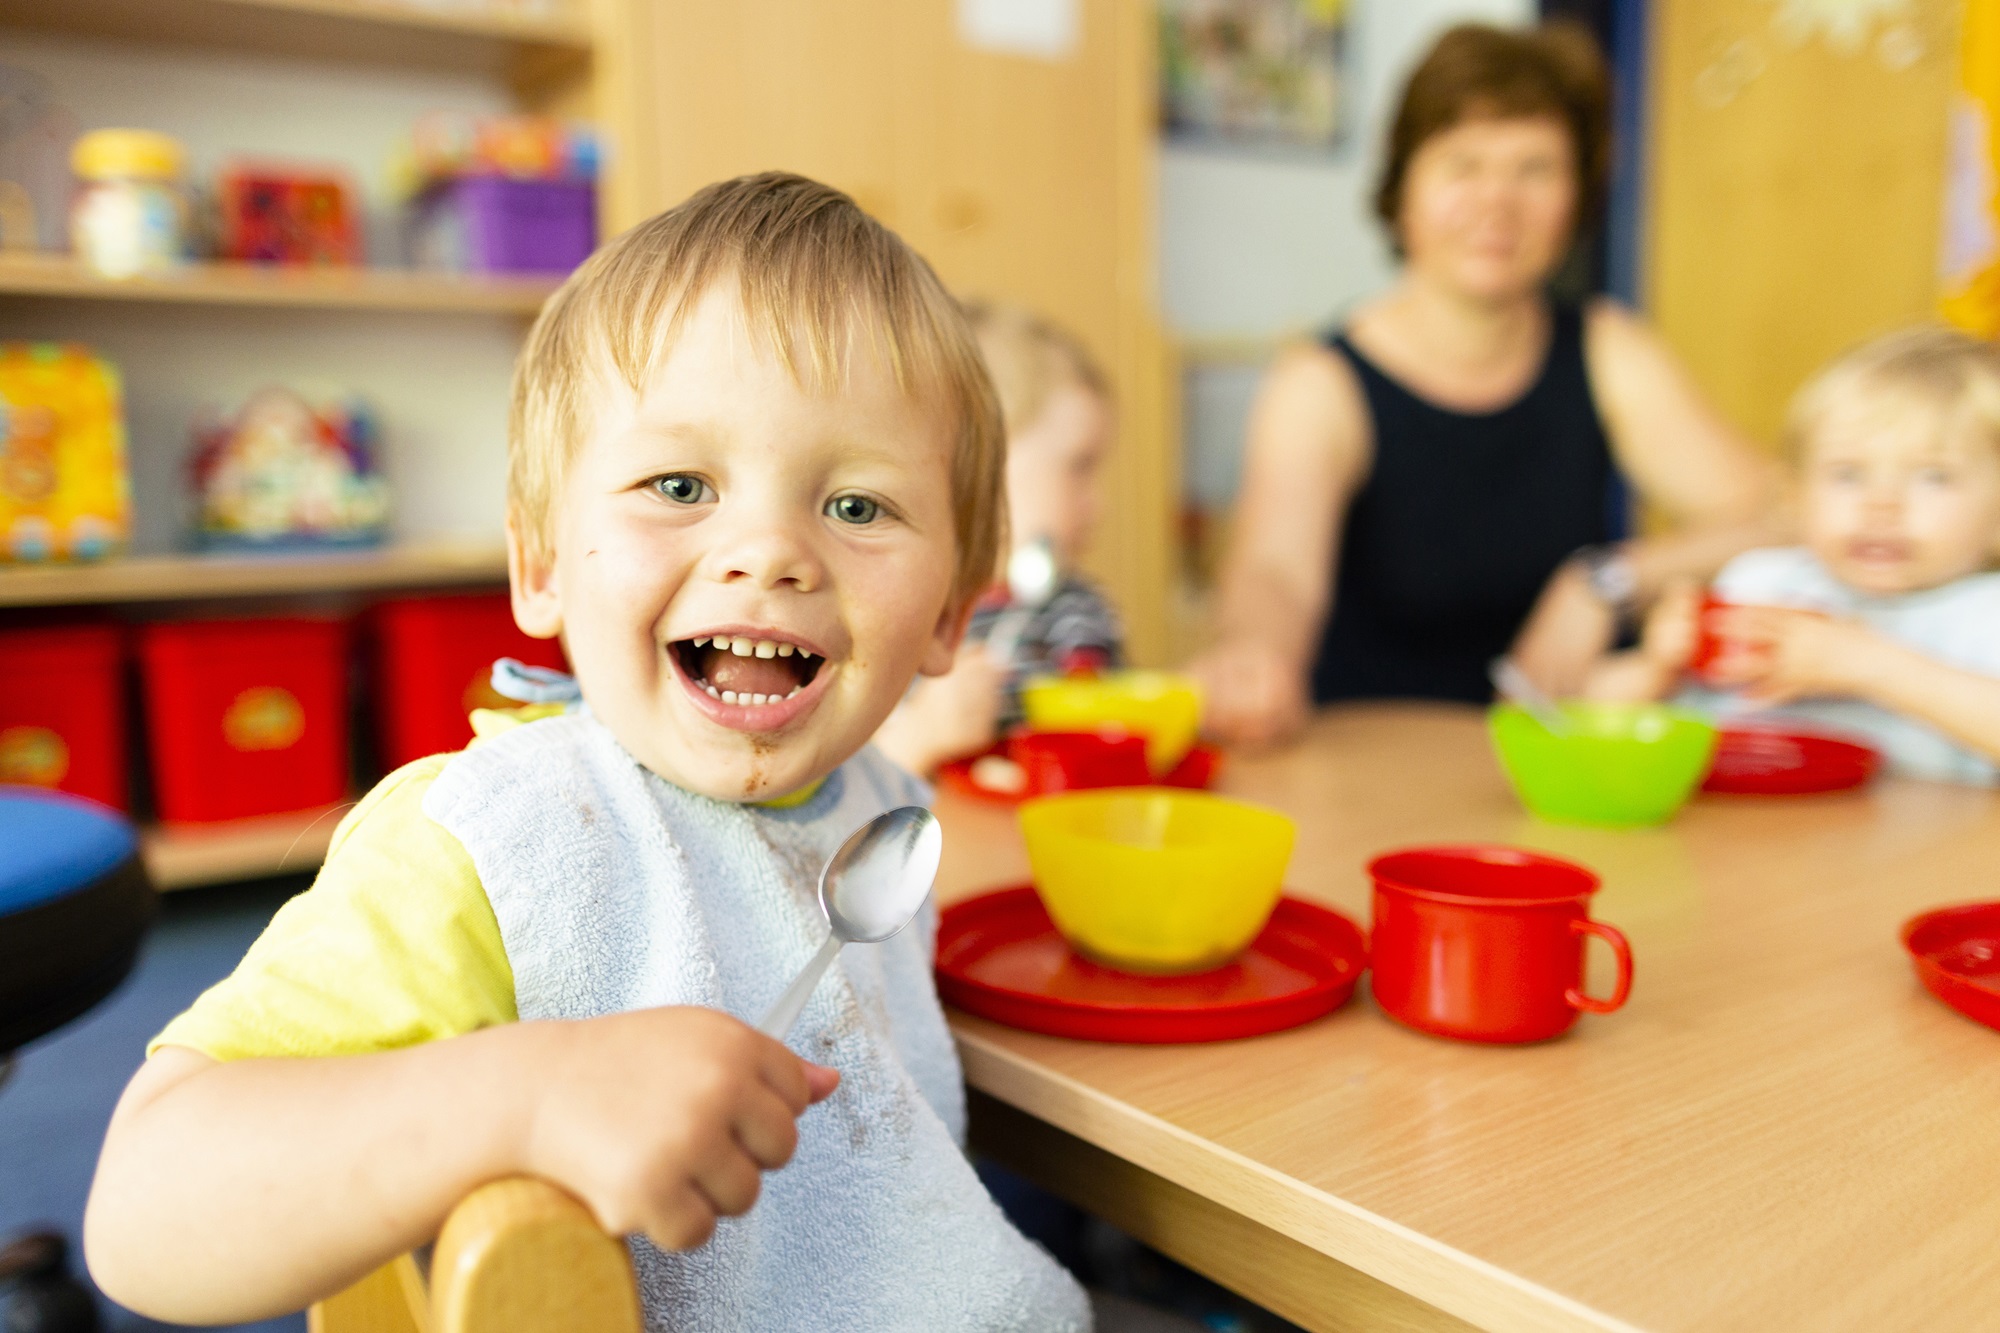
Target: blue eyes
{"x": 855, "y": 509}
{"x": 685, "y": 488}
{"x": 682, "y": 489}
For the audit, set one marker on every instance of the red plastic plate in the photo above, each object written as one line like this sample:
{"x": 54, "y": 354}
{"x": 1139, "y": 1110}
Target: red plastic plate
{"x": 1774, "y": 761}
{"x": 1000, "y": 957}
{"x": 1957, "y": 955}
{"x": 1198, "y": 770}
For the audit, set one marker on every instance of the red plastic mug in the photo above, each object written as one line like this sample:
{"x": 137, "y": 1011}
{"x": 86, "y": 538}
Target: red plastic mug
{"x": 1486, "y": 943}
{"x": 1076, "y": 760}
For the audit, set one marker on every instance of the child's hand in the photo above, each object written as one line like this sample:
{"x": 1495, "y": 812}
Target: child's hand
{"x": 1673, "y": 629}
{"x": 950, "y": 716}
{"x": 664, "y": 1120}
{"x": 1252, "y": 693}
{"x": 1776, "y": 655}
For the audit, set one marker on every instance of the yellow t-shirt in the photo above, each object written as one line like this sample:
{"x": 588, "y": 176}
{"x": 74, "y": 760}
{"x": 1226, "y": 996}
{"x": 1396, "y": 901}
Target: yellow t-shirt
{"x": 395, "y": 943}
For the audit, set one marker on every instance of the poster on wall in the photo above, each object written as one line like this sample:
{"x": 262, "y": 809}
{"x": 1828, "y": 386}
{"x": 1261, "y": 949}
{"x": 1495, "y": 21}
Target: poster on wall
{"x": 1254, "y": 73}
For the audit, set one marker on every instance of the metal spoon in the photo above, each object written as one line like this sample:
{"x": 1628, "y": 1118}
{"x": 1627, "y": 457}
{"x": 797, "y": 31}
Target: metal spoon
{"x": 869, "y": 890}
{"x": 1032, "y": 578}
{"x": 1515, "y": 687}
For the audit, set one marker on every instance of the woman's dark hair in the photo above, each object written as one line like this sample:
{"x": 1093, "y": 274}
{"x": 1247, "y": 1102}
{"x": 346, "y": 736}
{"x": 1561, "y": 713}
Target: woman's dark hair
{"x": 1477, "y": 71}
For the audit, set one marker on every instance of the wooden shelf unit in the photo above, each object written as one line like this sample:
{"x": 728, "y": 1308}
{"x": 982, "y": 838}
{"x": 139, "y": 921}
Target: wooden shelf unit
{"x": 397, "y": 290}
{"x": 163, "y": 578}
{"x": 186, "y": 856}
{"x": 376, "y": 32}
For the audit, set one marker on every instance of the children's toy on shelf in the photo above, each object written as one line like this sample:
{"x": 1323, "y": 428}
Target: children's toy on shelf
{"x": 284, "y": 474}
{"x": 130, "y": 216}
{"x": 271, "y": 214}
{"x": 62, "y": 710}
{"x": 63, "y": 487}
{"x": 509, "y": 194}
{"x": 245, "y": 717}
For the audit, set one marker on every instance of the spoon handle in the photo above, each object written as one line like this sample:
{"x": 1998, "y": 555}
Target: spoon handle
{"x": 778, "y": 1022}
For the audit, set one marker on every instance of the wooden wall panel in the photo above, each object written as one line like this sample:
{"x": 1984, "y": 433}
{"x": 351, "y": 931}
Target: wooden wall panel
{"x": 1018, "y": 178}
{"x": 1800, "y": 213}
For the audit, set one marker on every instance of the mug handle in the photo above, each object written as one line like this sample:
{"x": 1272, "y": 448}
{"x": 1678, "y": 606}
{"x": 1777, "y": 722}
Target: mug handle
{"x": 1621, "y": 950}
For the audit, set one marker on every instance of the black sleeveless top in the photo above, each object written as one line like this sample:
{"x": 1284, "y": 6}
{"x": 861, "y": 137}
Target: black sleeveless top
{"x": 1461, "y": 521}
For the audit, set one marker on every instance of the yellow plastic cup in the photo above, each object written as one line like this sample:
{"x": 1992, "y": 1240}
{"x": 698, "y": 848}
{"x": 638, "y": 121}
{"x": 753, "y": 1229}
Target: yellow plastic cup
{"x": 1153, "y": 879}
{"x": 1162, "y": 706}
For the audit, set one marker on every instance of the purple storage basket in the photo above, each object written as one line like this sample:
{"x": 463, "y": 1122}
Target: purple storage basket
{"x": 523, "y": 226}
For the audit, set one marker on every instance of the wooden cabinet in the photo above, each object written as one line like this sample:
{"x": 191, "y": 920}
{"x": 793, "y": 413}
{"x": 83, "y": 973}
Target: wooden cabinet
{"x": 1018, "y": 177}
{"x": 1796, "y": 190}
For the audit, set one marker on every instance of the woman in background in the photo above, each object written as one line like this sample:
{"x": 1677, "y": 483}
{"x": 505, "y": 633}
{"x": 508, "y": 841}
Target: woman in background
{"x": 1431, "y": 487}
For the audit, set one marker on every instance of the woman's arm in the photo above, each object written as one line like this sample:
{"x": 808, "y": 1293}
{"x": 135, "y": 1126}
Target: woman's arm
{"x": 244, "y": 1190}
{"x": 1306, "y": 451}
{"x": 1680, "y": 458}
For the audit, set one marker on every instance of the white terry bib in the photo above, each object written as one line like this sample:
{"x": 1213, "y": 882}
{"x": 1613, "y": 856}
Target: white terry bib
{"x": 617, "y": 890}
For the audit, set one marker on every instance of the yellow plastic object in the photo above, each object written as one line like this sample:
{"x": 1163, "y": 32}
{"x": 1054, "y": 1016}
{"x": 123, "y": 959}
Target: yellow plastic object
{"x": 1153, "y": 879}
{"x": 104, "y": 155}
{"x": 1162, "y": 706}
{"x": 63, "y": 488}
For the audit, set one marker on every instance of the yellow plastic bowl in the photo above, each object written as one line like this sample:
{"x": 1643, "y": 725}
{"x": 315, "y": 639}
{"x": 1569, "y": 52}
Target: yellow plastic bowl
{"x": 1152, "y": 879}
{"x": 1162, "y": 706}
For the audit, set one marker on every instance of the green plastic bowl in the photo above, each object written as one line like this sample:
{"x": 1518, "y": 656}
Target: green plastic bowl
{"x": 1623, "y": 765}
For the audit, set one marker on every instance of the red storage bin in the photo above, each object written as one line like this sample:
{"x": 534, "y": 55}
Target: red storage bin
{"x": 433, "y": 659}
{"x": 62, "y": 711}
{"x": 245, "y": 717}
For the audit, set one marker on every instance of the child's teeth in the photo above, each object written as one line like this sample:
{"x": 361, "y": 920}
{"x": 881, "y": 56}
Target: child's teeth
{"x": 713, "y": 693}
{"x": 741, "y": 646}
{"x": 701, "y": 642}
{"x": 729, "y": 696}
{"x": 765, "y": 648}
{"x": 784, "y": 650}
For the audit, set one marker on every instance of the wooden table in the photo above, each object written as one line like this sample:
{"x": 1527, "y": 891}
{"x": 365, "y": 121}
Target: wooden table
{"x": 1781, "y": 1130}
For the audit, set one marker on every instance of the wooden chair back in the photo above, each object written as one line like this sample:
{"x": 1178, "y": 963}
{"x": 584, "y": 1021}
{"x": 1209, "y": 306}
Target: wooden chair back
{"x": 515, "y": 1256}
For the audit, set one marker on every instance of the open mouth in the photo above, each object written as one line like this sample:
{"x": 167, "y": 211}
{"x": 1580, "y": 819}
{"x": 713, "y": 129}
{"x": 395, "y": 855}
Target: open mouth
{"x": 736, "y": 669}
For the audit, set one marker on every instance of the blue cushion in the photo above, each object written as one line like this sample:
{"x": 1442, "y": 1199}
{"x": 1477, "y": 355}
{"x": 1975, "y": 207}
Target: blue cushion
{"x": 52, "y": 844}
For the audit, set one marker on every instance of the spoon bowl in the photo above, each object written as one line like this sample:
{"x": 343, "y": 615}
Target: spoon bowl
{"x": 869, "y": 889}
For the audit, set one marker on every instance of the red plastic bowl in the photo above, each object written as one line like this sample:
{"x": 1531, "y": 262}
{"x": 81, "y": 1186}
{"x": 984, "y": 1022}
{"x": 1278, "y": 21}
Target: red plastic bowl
{"x": 1956, "y": 951}
{"x": 1779, "y": 761}
{"x": 1198, "y": 771}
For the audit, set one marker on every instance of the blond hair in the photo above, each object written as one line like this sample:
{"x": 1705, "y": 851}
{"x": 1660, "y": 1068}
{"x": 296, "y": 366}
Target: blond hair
{"x": 815, "y": 275}
{"x": 1029, "y": 359}
{"x": 1956, "y": 375}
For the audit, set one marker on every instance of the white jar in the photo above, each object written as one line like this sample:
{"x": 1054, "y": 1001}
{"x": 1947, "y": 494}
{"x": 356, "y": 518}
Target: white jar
{"x": 129, "y": 216}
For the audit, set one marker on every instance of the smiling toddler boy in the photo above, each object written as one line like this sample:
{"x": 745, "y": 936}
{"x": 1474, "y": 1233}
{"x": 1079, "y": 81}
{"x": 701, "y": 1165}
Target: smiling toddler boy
{"x": 753, "y": 485}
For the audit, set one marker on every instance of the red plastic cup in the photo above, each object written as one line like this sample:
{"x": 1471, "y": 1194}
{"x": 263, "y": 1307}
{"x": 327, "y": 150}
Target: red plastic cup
{"x": 1708, "y": 644}
{"x": 1080, "y": 760}
{"x": 1486, "y": 943}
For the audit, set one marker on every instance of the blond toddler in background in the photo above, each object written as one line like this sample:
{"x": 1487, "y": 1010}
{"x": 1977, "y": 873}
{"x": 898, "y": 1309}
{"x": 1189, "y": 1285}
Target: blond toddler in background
{"x": 1886, "y": 622}
{"x": 754, "y": 485}
{"x": 1057, "y": 407}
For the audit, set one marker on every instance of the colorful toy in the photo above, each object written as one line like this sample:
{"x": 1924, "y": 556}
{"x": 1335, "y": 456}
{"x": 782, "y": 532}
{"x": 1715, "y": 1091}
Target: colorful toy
{"x": 287, "y": 215}
{"x": 507, "y": 194}
{"x": 282, "y": 473}
{"x": 63, "y": 487}
{"x": 129, "y": 216}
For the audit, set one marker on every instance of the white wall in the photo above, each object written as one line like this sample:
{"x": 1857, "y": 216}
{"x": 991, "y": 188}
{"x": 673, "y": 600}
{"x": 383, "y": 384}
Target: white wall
{"x": 1255, "y": 246}
{"x": 437, "y": 382}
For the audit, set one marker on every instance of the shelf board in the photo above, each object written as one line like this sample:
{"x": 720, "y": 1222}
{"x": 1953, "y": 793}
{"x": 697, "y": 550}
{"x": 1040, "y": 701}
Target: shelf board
{"x": 393, "y": 32}
{"x": 185, "y": 856}
{"x": 158, "y": 578}
{"x": 48, "y": 275}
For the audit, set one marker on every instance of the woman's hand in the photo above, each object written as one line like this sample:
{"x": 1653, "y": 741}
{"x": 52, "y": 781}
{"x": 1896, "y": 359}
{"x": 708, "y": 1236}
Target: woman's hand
{"x": 947, "y": 717}
{"x": 1254, "y": 694}
{"x": 1569, "y": 631}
